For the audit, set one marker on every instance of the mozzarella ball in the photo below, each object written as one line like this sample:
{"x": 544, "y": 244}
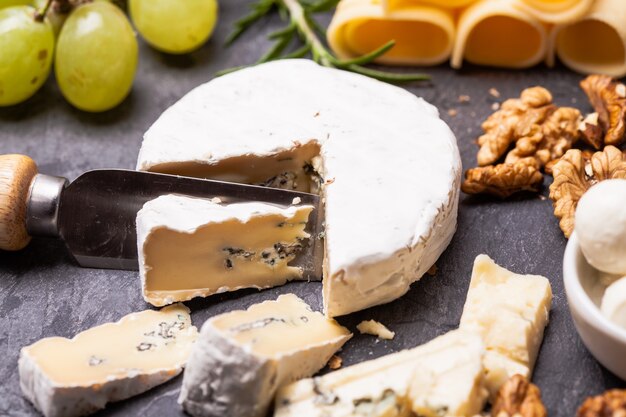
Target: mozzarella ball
{"x": 600, "y": 225}
{"x": 613, "y": 304}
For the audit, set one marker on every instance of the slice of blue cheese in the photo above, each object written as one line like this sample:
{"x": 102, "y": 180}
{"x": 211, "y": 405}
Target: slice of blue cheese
{"x": 242, "y": 357}
{"x": 110, "y": 362}
{"x": 443, "y": 377}
{"x": 193, "y": 247}
{"x": 510, "y": 311}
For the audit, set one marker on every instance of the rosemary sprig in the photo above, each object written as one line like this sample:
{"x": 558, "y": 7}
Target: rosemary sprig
{"x": 302, "y": 25}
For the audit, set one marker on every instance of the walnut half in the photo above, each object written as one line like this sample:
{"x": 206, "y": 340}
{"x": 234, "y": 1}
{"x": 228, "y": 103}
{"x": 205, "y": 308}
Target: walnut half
{"x": 575, "y": 173}
{"x": 608, "y": 98}
{"x": 504, "y": 179}
{"x": 518, "y": 397}
{"x": 610, "y": 404}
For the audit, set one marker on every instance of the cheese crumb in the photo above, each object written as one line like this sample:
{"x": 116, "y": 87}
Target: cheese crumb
{"x": 296, "y": 200}
{"x": 216, "y": 200}
{"x": 494, "y": 93}
{"x": 375, "y": 329}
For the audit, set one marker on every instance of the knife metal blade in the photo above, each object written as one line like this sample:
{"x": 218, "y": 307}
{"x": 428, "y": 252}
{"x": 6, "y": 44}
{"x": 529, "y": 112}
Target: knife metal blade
{"x": 95, "y": 214}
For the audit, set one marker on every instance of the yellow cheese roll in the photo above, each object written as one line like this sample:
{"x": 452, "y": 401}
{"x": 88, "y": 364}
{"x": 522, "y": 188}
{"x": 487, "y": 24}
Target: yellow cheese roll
{"x": 424, "y": 35}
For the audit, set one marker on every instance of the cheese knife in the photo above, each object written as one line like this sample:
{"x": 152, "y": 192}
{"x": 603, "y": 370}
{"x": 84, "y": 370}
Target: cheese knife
{"x": 95, "y": 214}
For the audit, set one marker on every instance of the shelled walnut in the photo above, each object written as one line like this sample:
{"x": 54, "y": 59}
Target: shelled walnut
{"x": 519, "y": 398}
{"x": 610, "y": 404}
{"x": 503, "y": 180}
{"x": 514, "y": 120}
{"x": 608, "y": 98}
{"x": 551, "y": 139}
{"x": 575, "y": 173}
{"x": 536, "y": 129}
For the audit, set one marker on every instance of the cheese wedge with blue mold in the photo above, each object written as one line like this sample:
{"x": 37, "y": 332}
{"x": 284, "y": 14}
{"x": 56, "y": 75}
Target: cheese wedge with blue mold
{"x": 242, "y": 357}
{"x": 194, "y": 247}
{"x": 111, "y": 362}
{"x": 386, "y": 165}
{"x": 443, "y": 377}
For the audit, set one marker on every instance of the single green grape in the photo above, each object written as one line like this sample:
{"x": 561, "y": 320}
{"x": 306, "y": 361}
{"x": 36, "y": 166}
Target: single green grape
{"x": 174, "y": 26}
{"x": 9, "y": 3}
{"x": 96, "y": 57}
{"x": 26, "y": 51}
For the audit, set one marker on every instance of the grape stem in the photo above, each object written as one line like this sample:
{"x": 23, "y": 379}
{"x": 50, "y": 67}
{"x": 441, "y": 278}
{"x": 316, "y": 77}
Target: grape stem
{"x": 40, "y": 14}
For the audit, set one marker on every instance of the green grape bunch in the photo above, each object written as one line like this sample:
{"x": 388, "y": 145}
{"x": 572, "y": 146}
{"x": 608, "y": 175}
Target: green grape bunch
{"x": 92, "y": 44}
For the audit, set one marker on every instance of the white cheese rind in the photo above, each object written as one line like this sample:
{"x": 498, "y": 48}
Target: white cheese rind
{"x": 191, "y": 217}
{"x": 228, "y": 378}
{"x": 419, "y": 379}
{"x": 510, "y": 311}
{"x": 54, "y": 399}
{"x": 383, "y": 151}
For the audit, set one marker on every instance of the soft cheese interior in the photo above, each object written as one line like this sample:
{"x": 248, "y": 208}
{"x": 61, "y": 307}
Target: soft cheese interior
{"x": 242, "y": 357}
{"x": 510, "y": 311}
{"x": 390, "y": 165}
{"x": 111, "y": 362}
{"x": 191, "y": 247}
{"x": 291, "y": 169}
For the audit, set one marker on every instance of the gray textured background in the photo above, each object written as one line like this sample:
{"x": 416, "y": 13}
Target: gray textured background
{"x": 42, "y": 293}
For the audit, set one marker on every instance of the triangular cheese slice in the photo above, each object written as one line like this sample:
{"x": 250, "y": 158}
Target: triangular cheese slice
{"x": 242, "y": 357}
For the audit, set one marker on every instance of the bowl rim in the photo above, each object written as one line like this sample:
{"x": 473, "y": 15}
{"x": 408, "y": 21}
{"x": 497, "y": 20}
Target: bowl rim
{"x": 577, "y": 294}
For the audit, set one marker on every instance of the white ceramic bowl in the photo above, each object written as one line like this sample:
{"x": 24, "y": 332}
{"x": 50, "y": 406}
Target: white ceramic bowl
{"x": 604, "y": 339}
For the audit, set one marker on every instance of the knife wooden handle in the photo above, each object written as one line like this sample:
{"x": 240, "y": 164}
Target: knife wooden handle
{"x": 16, "y": 175}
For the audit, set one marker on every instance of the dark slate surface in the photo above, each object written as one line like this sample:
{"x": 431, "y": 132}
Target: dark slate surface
{"x": 43, "y": 293}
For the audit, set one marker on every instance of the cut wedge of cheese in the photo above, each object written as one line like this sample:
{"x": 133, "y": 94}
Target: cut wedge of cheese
{"x": 438, "y": 379}
{"x": 501, "y": 34}
{"x": 242, "y": 357}
{"x": 191, "y": 247}
{"x": 510, "y": 311}
{"x": 423, "y": 34}
{"x": 391, "y": 5}
{"x": 557, "y": 11}
{"x": 595, "y": 43}
{"x": 111, "y": 362}
{"x": 389, "y": 166}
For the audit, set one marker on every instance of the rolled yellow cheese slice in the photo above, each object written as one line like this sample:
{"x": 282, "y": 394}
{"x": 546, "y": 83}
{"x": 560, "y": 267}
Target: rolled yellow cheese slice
{"x": 391, "y": 5}
{"x": 557, "y": 11}
{"x": 499, "y": 33}
{"x": 595, "y": 44}
{"x": 424, "y": 35}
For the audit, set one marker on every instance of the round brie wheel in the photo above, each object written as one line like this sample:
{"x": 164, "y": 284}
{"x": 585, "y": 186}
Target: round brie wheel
{"x": 600, "y": 224}
{"x": 387, "y": 166}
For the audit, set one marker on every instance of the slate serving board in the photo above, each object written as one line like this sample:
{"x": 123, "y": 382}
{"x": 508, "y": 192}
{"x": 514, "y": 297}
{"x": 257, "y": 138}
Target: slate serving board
{"x": 43, "y": 293}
